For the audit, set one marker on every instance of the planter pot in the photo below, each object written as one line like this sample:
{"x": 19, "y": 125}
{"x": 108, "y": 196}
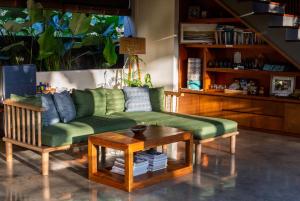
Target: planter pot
{"x": 18, "y": 79}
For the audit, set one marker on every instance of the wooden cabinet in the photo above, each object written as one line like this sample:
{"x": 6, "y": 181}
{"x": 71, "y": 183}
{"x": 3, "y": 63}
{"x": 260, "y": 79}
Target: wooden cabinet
{"x": 236, "y": 104}
{"x": 217, "y": 72}
{"x": 189, "y": 104}
{"x": 259, "y": 113}
{"x": 267, "y": 122}
{"x": 292, "y": 118}
{"x": 210, "y": 104}
{"x": 243, "y": 119}
{"x": 267, "y": 108}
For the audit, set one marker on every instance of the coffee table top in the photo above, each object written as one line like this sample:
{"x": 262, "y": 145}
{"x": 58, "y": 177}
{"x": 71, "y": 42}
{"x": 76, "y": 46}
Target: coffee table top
{"x": 153, "y": 136}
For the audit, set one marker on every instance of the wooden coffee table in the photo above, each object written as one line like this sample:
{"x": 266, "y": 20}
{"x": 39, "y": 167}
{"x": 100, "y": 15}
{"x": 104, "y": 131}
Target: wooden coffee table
{"x": 126, "y": 141}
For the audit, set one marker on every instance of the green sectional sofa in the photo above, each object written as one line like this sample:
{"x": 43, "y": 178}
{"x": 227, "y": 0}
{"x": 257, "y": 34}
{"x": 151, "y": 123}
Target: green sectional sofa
{"x": 78, "y": 130}
{"x": 102, "y": 110}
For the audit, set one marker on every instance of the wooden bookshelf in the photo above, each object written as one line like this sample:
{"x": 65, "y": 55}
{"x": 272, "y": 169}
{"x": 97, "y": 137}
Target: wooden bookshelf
{"x": 214, "y": 20}
{"x": 256, "y": 112}
{"x": 214, "y": 46}
{"x": 251, "y": 72}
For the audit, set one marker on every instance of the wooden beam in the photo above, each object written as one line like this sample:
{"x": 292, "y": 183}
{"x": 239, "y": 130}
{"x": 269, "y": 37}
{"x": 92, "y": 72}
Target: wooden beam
{"x": 107, "y": 7}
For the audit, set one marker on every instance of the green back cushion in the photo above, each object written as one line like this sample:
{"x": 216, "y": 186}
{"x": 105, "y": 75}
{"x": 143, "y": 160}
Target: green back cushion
{"x": 157, "y": 98}
{"x": 115, "y": 101}
{"x": 32, "y": 100}
{"x": 84, "y": 103}
{"x": 99, "y": 101}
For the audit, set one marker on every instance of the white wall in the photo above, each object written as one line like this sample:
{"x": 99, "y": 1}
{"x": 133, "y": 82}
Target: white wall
{"x": 81, "y": 79}
{"x": 156, "y": 20}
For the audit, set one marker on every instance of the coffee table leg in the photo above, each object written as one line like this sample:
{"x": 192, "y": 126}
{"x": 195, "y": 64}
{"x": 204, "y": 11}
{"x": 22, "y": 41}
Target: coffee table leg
{"x": 103, "y": 156}
{"x": 189, "y": 152}
{"x": 92, "y": 158}
{"x": 165, "y": 149}
{"x": 128, "y": 169}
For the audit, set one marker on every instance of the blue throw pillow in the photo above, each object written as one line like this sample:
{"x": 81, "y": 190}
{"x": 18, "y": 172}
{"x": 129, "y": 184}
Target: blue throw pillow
{"x": 65, "y": 106}
{"x": 50, "y": 115}
{"x": 137, "y": 99}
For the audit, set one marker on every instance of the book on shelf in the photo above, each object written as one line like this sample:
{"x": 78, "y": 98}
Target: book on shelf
{"x": 157, "y": 160}
{"x": 143, "y": 162}
{"x": 198, "y": 33}
{"x": 140, "y": 166}
{"x": 194, "y": 73}
{"x": 231, "y": 35}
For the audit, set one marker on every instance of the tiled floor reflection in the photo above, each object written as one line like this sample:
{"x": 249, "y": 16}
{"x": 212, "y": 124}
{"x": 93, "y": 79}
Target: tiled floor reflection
{"x": 265, "y": 168}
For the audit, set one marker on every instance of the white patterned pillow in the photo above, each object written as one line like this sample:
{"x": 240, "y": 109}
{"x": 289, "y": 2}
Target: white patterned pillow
{"x": 137, "y": 99}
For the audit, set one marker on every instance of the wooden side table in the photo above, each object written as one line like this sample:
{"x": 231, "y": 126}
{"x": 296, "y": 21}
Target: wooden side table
{"x": 125, "y": 141}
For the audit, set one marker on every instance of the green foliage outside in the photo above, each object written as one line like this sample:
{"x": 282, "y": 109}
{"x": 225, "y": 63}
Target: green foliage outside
{"x": 55, "y": 40}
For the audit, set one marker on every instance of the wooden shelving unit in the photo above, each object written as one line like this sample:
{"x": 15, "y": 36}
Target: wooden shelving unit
{"x": 214, "y": 20}
{"x": 213, "y": 46}
{"x": 251, "y": 72}
{"x": 259, "y": 112}
{"x": 222, "y": 94}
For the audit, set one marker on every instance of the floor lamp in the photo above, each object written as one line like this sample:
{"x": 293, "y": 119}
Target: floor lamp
{"x": 132, "y": 47}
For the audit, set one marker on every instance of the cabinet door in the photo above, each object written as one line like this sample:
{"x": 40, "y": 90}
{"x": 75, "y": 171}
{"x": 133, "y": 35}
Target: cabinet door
{"x": 267, "y": 108}
{"x": 292, "y": 118}
{"x": 209, "y": 104}
{"x": 267, "y": 122}
{"x": 189, "y": 104}
{"x": 237, "y": 104}
{"x": 243, "y": 119}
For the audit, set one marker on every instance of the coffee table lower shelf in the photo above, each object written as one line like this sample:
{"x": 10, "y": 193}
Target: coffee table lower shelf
{"x": 174, "y": 169}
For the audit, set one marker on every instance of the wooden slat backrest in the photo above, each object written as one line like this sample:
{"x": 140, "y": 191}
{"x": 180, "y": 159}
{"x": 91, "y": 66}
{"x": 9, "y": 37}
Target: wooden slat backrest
{"x": 23, "y": 122}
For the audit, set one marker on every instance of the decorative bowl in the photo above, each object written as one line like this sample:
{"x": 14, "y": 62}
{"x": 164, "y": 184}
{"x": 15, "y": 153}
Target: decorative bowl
{"x": 138, "y": 129}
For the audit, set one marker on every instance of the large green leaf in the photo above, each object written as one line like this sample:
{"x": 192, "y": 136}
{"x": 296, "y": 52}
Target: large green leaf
{"x": 103, "y": 23}
{"x": 13, "y": 45}
{"x": 35, "y": 11}
{"x": 79, "y": 23}
{"x": 109, "y": 52}
{"x": 91, "y": 40}
{"x": 50, "y": 45}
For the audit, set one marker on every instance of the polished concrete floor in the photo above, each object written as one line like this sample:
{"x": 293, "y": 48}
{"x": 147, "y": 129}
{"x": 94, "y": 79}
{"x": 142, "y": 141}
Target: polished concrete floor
{"x": 265, "y": 168}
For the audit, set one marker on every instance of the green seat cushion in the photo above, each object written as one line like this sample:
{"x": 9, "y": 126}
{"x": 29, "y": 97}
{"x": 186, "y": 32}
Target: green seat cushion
{"x": 157, "y": 98}
{"x": 84, "y": 103}
{"x": 115, "y": 101}
{"x": 99, "y": 101}
{"x": 149, "y": 118}
{"x": 78, "y": 130}
{"x": 201, "y": 127}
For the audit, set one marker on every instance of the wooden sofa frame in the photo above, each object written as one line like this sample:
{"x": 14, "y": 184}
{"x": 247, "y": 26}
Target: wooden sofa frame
{"x": 23, "y": 128}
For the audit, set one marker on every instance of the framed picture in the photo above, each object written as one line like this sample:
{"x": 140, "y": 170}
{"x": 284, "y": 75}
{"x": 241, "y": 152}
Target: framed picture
{"x": 282, "y": 86}
{"x": 194, "y": 12}
{"x": 198, "y": 33}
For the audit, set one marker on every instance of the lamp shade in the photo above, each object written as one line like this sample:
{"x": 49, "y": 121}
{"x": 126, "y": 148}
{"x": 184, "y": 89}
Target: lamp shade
{"x": 132, "y": 46}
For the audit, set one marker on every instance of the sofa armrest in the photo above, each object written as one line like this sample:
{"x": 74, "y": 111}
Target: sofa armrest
{"x": 23, "y": 123}
{"x": 171, "y": 101}
{"x": 172, "y": 93}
